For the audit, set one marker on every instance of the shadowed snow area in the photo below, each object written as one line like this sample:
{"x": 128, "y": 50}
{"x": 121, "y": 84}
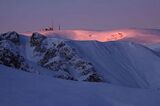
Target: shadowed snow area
{"x": 25, "y": 89}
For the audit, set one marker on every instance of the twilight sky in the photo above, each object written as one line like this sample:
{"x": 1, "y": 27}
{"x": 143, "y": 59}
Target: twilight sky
{"x": 29, "y": 15}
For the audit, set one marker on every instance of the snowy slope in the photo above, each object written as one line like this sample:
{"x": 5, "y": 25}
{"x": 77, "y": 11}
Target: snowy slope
{"x": 19, "y": 88}
{"x": 122, "y": 63}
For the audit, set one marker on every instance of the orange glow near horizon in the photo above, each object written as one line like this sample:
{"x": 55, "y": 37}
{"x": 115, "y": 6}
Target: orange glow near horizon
{"x": 102, "y": 36}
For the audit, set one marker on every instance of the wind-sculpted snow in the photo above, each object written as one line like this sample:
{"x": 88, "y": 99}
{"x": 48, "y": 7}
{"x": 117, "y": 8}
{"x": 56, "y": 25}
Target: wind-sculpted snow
{"x": 122, "y": 63}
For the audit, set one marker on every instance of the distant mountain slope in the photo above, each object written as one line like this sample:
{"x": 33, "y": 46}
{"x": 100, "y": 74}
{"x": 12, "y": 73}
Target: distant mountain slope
{"x": 147, "y": 37}
{"x": 130, "y": 34}
{"x": 19, "y": 88}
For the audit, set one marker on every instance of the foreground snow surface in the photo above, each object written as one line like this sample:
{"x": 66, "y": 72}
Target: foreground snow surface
{"x": 18, "y": 88}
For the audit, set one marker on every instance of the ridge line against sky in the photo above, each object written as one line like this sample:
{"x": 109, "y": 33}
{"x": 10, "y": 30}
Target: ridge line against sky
{"x": 29, "y": 15}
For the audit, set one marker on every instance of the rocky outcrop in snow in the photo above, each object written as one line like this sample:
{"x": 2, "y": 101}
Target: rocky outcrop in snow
{"x": 36, "y": 39}
{"x": 12, "y": 36}
{"x": 56, "y": 55}
{"x": 9, "y": 54}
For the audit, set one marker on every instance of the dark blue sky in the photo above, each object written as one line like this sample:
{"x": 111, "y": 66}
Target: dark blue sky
{"x": 28, "y": 15}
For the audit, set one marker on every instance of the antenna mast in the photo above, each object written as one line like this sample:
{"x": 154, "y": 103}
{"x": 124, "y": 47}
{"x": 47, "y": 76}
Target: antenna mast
{"x": 52, "y": 24}
{"x": 59, "y": 27}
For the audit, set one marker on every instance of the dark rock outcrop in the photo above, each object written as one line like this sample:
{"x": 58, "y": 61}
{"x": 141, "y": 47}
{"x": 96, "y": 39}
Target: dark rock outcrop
{"x": 10, "y": 57}
{"x": 36, "y": 39}
{"x": 61, "y": 58}
{"x": 12, "y": 36}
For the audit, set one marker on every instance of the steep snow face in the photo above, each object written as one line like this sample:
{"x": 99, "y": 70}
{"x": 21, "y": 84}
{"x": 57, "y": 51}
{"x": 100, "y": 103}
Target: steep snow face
{"x": 19, "y": 88}
{"x": 122, "y": 63}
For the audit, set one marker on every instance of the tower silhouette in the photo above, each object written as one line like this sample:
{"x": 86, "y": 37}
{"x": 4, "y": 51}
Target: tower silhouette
{"x": 59, "y": 27}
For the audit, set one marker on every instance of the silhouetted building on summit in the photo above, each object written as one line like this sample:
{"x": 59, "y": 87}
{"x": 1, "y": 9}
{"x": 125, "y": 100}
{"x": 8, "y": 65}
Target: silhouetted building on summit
{"x": 51, "y": 28}
{"x": 48, "y": 29}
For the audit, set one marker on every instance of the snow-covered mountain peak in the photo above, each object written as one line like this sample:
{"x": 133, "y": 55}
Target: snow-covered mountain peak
{"x": 89, "y": 56}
